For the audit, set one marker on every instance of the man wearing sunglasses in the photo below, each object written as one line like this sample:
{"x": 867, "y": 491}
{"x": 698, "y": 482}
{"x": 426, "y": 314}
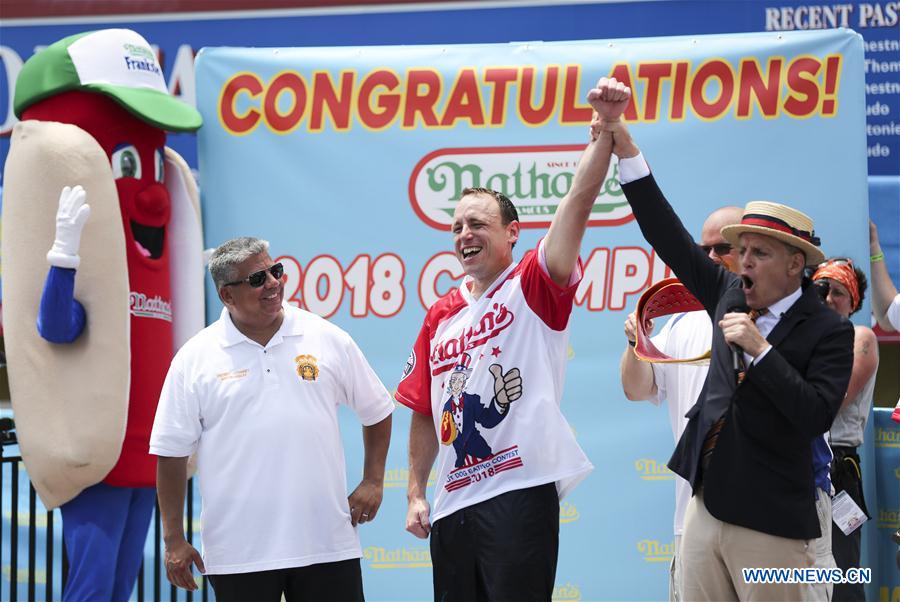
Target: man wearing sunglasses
{"x": 687, "y": 334}
{"x": 255, "y": 396}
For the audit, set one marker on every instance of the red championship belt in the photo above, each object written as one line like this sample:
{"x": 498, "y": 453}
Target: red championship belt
{"x": 666, "y": 297}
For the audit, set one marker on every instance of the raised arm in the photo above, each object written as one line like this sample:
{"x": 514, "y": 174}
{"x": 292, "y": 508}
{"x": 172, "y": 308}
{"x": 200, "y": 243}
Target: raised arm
{"x": 883, "y": 290}
{"x": 563, "y": 240}
{"x": 662, "y": 228}
{"x": 61, "y": 319}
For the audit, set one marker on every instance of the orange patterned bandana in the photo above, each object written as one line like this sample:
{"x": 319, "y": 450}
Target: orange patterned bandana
{"x": 840, "y": 270}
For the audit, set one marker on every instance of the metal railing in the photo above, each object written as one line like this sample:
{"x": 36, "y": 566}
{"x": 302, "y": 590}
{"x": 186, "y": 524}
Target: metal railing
{"x": 49, "y": 548}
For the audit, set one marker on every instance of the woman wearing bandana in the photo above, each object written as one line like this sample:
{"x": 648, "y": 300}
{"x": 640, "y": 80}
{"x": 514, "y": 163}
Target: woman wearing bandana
{"x": 845, "y": 285}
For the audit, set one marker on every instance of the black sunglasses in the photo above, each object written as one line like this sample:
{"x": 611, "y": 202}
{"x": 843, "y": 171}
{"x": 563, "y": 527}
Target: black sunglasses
{"x": 257, "y": 279}
{"x": 721, "y": 249}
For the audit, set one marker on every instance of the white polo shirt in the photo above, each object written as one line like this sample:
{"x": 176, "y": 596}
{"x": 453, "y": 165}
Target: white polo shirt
{"x": 684, "y": 335}
{"x": 264, "y": 424}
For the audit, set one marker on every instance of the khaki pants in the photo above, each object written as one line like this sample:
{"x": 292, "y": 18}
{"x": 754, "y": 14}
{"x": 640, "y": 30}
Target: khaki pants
{"x": 714, "y": 552}
{"x": 822, "y": 592}
{"x": 676, "y": 574}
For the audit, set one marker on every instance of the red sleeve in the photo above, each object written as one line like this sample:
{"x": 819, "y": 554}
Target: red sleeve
{"x": 414, "y": 390}
{"x": 550, "y": 301}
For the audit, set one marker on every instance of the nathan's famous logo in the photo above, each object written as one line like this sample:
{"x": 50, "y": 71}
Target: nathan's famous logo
{"x": 143, "y": 306}
{"x": 398, "y": 558}
{"x": 888, "y": 519}
{"x": 139, "y": 58}
{"x": 655, "y": 551}
{"x": 566, "y": 593}
{"x": 651, "y": 470}
{"x": 897, "y": 472}
{"x": 445, "y": 353}
{"x": 307, "y": 367}
{"x": 887, "y": 437}
{"x": 568, "y": 513}
{"x": 399, "y": 477}
{"x": 535, "y": 178}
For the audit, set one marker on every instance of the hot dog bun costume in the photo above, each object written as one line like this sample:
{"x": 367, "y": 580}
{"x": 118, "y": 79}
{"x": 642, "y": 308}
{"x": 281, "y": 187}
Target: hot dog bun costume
{"x": 91, "y": 189}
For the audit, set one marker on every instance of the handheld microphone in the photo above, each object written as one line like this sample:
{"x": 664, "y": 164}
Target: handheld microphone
{"x": 737, "y": 303}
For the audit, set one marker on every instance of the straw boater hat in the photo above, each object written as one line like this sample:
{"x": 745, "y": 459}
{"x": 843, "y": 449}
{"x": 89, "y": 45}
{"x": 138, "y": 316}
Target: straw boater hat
{"x": 778, "y": 221}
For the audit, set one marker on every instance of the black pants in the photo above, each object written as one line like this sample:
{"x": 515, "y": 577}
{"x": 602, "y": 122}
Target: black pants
{"x": 504, "y": 548}
{"x": 847, "y": 476}
{"x": 339, "y": 581}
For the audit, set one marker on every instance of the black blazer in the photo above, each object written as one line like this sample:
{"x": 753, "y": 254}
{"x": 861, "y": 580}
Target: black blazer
{"x": 760, "y": 474}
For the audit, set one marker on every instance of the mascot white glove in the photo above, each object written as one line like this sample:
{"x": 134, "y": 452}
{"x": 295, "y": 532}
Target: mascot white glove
{"x": 70, "y": 219}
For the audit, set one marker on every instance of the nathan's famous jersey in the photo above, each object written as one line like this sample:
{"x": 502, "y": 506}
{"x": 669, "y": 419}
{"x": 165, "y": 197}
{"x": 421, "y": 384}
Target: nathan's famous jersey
{"x": 490, "y": 373}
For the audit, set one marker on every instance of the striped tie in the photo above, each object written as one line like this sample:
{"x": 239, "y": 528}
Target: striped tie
{"x": 754, "y": 315}
{"x": 709, "y": 443}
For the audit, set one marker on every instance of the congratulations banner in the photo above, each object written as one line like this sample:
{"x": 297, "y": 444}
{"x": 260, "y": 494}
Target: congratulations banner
{"x": 351, "y": 161}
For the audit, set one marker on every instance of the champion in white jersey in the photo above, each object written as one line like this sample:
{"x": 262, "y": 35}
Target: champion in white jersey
{"x": 463, "y": 357}
{"x": 485, "y": 380}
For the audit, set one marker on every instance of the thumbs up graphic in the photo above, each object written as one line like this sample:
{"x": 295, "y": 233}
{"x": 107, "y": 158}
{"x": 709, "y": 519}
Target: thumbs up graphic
{"x": 507, "y": 387}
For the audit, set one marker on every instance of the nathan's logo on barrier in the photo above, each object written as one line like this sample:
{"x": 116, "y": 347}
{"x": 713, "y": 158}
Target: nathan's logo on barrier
{"x": 651, "y": 470}
{"x": 567, "y": 593}
{"x": 397, "y": 558}
{"x": 399, "y": 478}
{"x": 897, "y": 472}
{"x": 568, "y": 513}
{"x": 887, "y": 437}
{"x": 535, "y": 178}
{"x": 655, "y": 551}
{"x": 889, "y": 519}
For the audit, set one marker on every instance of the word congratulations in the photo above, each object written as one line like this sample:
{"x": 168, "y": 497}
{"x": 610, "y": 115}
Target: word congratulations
{"x": 807, "y": 575}
{"x": 484, "y": 97}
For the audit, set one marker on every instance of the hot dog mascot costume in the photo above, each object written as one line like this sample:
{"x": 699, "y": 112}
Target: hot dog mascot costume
{"x": 91, "y": 189}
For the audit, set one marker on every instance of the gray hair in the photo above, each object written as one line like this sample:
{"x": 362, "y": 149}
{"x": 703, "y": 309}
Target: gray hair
{"x": 224, "y": 260}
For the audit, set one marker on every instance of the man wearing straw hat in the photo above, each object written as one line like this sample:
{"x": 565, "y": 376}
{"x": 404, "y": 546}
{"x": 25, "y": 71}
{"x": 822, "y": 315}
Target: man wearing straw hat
{"x": 780, "y": 366}
{"x": 678, "y": 381}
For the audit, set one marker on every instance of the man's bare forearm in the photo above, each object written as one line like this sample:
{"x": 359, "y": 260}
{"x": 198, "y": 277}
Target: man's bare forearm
{"x": 171, "y": 484}
{"x": 376, "y": 441}
{"x": 883, "y": 290}
{"x": 624, "y": 146}
{"x": 423, "y": 448}
{"x": 638, "y": 382}
{"x": 567, "y": 229}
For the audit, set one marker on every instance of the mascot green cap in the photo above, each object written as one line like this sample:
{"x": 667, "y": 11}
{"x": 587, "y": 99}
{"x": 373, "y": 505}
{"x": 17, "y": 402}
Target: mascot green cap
{"x": 116, "y": 62}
